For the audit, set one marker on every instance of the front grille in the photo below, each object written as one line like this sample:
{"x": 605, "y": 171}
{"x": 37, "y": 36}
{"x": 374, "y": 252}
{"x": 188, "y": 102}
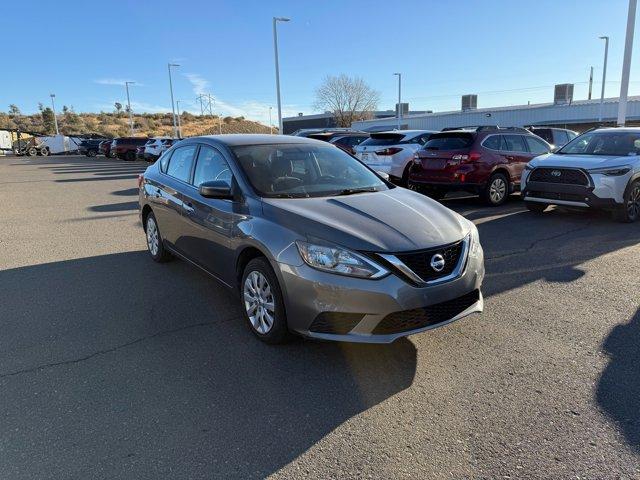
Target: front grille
{"x": 570, "y": 197}
{"x": 567, "y": 176}
{"x": 335, "y": 322}
{"x": 420, "y": 262}
{"x": 407, "y": 320}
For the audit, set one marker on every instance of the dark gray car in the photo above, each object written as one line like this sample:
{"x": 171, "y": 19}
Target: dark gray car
{"x": 313, "y": 241}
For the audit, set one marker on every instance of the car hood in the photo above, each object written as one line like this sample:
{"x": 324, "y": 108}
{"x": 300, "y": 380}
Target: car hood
{"x": 395, "y": 220}
{"x": 579, "y": 161}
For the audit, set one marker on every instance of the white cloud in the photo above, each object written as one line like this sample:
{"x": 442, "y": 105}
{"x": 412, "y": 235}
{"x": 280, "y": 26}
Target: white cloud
{"x": 116, "y": 81}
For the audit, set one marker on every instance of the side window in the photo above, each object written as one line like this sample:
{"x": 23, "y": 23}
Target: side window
{"x": 514, "y": 143}
{"x": 492, "y": 142}
{"x": 180, "y": 162}
{"x": 164, "y": 161}
{"x": 210, "y": 166}
{"x": 536, "y": 147}
{"x": 545, "y": 134}
{"x": 561, "y": 137}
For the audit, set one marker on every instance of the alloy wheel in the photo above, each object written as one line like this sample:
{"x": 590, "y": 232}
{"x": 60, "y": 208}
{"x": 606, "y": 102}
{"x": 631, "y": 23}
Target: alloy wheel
{"x": 259, "y": 302}
{"x": 497, "y": 190}
{"x": 153, "y": 239}
{"x": 633, "y": 204}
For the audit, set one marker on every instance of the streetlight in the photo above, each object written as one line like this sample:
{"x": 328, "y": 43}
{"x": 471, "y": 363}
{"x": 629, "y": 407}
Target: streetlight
{"x": 179, "y": 126}
{"x": 270, "y": 122}
{"x": 626, "y": 63}
{"x": 275, "y": 49}
{"x": 604, "y": 74}
{"x": 173, "y": 108}
{"x": 126, "y": 85}
{"x": 399, "y": 114}
{"x": 53, "y": 105}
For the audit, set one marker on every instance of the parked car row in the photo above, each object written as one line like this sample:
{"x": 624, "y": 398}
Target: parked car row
{"x": 129, "y": 148}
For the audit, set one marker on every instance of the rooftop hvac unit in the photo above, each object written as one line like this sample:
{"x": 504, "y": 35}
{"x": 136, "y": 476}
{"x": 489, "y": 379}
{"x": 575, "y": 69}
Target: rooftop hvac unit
{"x": 563, "y": 94}
{"x": 469, "y": 102}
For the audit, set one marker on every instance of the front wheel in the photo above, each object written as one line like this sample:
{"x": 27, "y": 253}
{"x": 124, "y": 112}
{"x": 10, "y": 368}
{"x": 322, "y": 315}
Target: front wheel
{"x": 630, "y": 211}
{"x": 32, "y": 152}
{"x": 262, "y": 302}
{"x": 92, "y": 153}
{"x": 497, "y": 190}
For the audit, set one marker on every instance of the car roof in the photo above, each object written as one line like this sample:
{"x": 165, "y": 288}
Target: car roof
{"x": 238, "y": 139}
{"x": 617, "y": 129}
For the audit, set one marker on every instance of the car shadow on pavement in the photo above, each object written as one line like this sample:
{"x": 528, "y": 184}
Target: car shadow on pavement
{"x": 114, "y": 207}
{"x": 618, "y": 391}
{"x": 117, "y": 364}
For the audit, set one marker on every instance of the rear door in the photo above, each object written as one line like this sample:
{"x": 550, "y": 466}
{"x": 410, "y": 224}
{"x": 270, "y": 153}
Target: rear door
{"x": 516, "y": 154}
{"x": 209, "y": 222}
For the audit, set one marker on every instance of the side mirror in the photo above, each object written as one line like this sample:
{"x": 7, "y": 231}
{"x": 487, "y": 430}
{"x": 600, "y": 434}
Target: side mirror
{"x": 216, "y": 189}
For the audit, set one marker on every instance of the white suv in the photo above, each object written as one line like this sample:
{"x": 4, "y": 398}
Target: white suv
{"x": 599, "y": 169}
{"x": 392, "y": 152}
{"x": 156, "y": 146}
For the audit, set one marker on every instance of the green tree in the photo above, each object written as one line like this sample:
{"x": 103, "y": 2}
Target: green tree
{"x": 118, "y": 106}
{"x": 48, "y": 121}
{"x": 14, "y": 110}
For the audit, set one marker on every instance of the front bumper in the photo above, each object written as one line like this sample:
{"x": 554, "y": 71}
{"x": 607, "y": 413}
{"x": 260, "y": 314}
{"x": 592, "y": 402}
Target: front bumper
{"x": 364, "y": 304}
{"x": 602, "y": 192}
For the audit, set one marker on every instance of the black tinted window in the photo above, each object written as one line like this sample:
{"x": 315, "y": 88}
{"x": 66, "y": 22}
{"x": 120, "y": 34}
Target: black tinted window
{"x": 514, "y": 143}
{"x": 210, "y": 166}
{"x": 493, "y": 142}
{"x": 537, "y": 147}
{"x": 449, "y": 141}
{"x": 383, "y": 139}
{"x": 544, "y": 133}
{"x": 180, "y": 162}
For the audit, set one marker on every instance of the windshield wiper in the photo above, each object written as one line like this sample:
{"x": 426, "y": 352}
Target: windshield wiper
{"x": 352, "y": 191}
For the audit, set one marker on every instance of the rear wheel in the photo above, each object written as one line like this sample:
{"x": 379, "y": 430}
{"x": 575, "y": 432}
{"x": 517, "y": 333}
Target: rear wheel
{"x": 44, "y": 152}
{"x": 32, "y": 151}
{"x": 535, "y": 207}
{"x": 262, "y": 302}
{"x": 497, "y": 190}
{"x": 92, "y": 153}
{"x": 130, "y": 156}
{"x": 154, "y": 240}
{"x": 630, "y": 211}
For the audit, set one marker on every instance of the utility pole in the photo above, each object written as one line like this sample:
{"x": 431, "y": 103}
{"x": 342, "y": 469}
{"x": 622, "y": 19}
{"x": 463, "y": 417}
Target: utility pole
{"x": 173, "y": 107}
{"x": 55, "y": 118}
{"x": 126, "y": 84}
{"x": 626, "y": 63}
{"x": 399, "y": 112}
{"x": 590, "y": 83}
{"x": 179, "y": 126}
{"x": 270, "y": 122}
{"x": 604, "y": 74}
{"x": 275, "y": 50}
{"x": 199, "y": 97}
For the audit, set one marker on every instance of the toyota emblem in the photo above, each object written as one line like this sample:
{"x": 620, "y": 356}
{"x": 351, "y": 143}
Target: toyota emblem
{"x": 556, "y": 173}
{"x": 437, "y": 262}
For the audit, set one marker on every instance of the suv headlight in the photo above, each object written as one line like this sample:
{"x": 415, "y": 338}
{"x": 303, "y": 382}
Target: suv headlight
{"x": 611, "y": 171}
{"x": 339, "y": 260}
{"x": 474, "y": 241}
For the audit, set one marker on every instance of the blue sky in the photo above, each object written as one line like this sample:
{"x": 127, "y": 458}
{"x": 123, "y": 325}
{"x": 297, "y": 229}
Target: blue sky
{"x": 508, "y": 52}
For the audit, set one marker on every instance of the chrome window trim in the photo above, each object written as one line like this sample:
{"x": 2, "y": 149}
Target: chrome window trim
{"x": 456, "y": 273}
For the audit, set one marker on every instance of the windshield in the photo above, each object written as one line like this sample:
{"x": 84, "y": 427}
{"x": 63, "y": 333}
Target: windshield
{"x": 604, "y": 143}
{"x": 301, "y": 170}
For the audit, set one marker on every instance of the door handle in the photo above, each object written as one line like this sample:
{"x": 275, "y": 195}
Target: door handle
{"x": 188, "y": 207}
{"x": 509, "y": 157}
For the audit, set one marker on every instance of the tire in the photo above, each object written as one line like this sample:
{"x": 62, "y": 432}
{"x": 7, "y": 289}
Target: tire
{"x": 536, "y": 207}
{"x": 32, "y": 151}
{"x": 629, "y": 212}
{"x": 497, "y": 190}
{"x": 130, "y": 156}
{"x": 92, "y": 153}
{"x": 44, "y": 152}
{"x": 258, "y": 277}
{"x": 155, "y": 246}
{"x": 404, "y": 181}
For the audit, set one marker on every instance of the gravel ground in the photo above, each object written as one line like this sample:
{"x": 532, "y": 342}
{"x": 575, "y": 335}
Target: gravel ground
{"x": 112, "y": 366}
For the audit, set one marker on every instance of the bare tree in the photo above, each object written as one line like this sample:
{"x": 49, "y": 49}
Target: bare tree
{"x": 349, "y": 99}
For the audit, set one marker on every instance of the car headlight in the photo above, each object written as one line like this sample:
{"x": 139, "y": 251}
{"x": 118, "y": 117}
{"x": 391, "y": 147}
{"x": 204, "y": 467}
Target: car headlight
{"x": 474, "y": 241}
{"x": 339, "y": 260}
{"x": 611, "y": 171}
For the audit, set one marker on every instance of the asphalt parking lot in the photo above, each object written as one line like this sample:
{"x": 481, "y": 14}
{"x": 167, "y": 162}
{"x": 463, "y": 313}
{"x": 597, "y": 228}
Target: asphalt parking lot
{"x": 113, "y": 366}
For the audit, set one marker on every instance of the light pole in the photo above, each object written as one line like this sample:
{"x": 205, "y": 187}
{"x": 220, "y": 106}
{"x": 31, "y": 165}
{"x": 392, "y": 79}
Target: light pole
{"x": 275, "y": 50}
{"x": 173, "y": 107}
{"x": 270, "y": 122}
{"x": 626, "y": 63}
{"x": 53, "y": 105}
{"x": 399, "y": 114}
{"x": 604, "y": 74}
{"x": 178, "y": 112}
{"x": 126, "y": 84}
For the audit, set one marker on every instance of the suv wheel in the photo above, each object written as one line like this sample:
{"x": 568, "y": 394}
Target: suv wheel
{"x": 92, "y": 153}
{"x": 44, "y": 152}
{"x": 262, "y": 302}
{"x": 130, "y": 156}
{"x": 154, "y": 240}
{"x": 630, "y": 211}
{"x": 536, "y": 207}
{"x": 497, "y": 190}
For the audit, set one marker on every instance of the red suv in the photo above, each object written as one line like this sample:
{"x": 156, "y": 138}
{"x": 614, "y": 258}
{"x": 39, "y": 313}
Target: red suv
{"x": 125, "y": 147}
{"x": 487, "y": 161}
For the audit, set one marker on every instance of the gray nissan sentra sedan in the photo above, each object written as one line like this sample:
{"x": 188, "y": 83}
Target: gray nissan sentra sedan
{"x": 314, "y": 242}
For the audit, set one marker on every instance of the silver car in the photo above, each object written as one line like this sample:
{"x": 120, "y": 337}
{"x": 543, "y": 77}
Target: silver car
{"x": 314, "y": 242}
